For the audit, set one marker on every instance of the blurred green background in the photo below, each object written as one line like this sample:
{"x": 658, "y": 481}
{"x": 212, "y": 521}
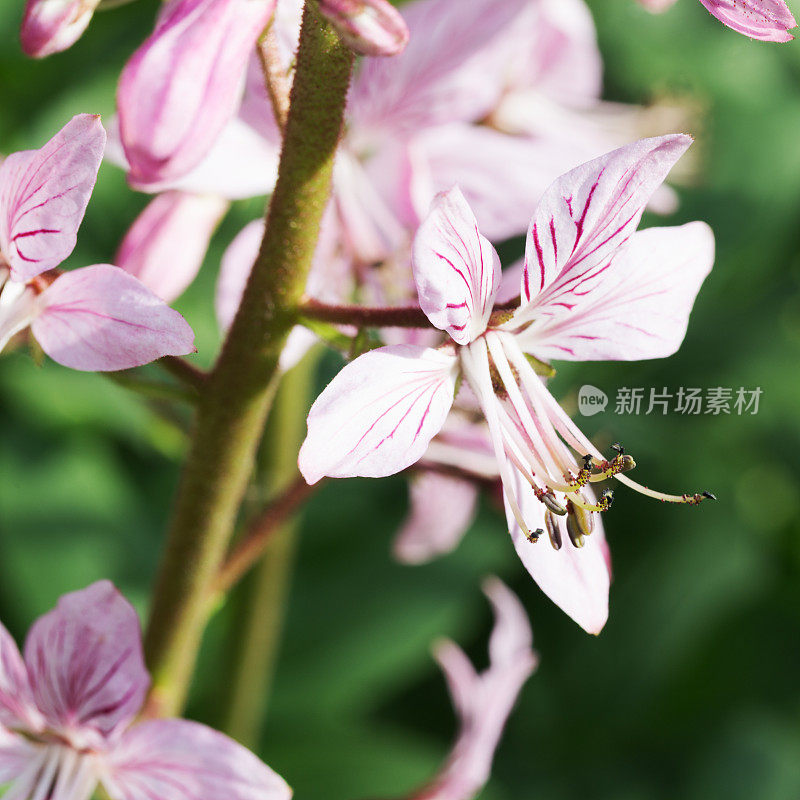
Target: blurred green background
{"x": 692, "y": 689}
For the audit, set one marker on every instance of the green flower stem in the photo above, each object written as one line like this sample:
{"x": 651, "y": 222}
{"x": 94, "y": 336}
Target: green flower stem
{"x": 260, "y": 624}
{"x": 236, "y": 394}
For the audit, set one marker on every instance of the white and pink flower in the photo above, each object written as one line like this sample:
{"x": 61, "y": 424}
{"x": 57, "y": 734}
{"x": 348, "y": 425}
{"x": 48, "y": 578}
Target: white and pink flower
{"x": 93, "y": 318}
{"x": 68, "y": 705}
{"x": 592, "y": 288}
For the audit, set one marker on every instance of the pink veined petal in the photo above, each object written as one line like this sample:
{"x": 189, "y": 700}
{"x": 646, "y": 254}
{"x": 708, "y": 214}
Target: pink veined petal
{"x": 100, "y": 318}
{"x": 17, "y": 706}
{"x": 483, "y": 702}
{"x": 370, "y": 27}
{"x": 642, "y": 309}
{"x": 576, "y": 579}
{"x": 86, "y": 665}
{"x": 453, "y": 68}
{"x": 44, "y": 194}
{"x": 442, "y": 509}
{"x": 377, "y": 416}
{"x": 456, "y": 269}
{"x": 16, "y": 753}
{"x": 768, "y": 20}
{"x": 175, "y": 759}
{"x": 167, "y": 242}
{"x": 50, "y": 26}
{"x": 588, "y": 214}
{"x": 183, "y": 85}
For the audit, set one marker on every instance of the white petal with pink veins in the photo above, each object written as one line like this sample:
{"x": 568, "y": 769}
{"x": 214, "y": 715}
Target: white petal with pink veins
{"x": 100, "y": 318}
{"x": 175, "y": 759}
{"x": 377, "y": 416}
{"x": 456, "y": 269}
{"x": 17, "y": 707}
{"x": 768, "y": 20}
{"x": 86, "y": 665}
{"x": 641, "y": 309}
{"x": 44, "y": 194}
{"x": 587, "y": 214}
{"x": 576, "y": 579}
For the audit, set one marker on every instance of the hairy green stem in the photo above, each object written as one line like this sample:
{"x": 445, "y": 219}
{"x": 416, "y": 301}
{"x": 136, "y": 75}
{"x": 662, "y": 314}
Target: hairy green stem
{"x": 236, "y": 394}
{"x": 265, "y": 592}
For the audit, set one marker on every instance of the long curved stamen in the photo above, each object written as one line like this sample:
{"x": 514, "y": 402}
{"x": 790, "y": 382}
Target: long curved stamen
{"x": 685, "y": 499}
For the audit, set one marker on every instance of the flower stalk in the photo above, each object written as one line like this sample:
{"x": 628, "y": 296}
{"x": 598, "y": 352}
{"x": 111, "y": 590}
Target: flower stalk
{"x": 236, "y": 396}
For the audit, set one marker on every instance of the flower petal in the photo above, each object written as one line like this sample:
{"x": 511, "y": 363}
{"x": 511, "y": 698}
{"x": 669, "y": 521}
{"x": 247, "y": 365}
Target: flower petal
{"x": 50, "y": 26}
{"x": 167, "y": 242}
{"x": 100, "y": 318}
{"x": 17, "y": 706}
{"x": 588, "y": 214}
{"x": 183, "y": 85}
{"x": 483, "y": 702}
{"x": 768, "y": 20}
{"x": 370, "y": 27}
{"x": 175, "y": 759}
{"x": 86, "y": 665}
{"x": 44, "y": 194}
{"x": 576, "y": 580}
{"x": 457, "y": 270}
{"x": 642, "y": 308}
{"x": 442, "y": 509}
{"x": 377, "y": 416}
{"x": 452, "y": 69}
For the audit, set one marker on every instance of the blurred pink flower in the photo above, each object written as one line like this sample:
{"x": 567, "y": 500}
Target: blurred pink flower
{"x": 94, "y": 318}
{"x": 592, "y": 289}
{"x": 67, "y": 711}
{"x": 50, "y": 26}
{"x": 483, "y": 701}
{"x": 166, "y": 245}
{"x": 370, "y": 27}
{"x": 183, "y": 85}
{"x": 768, "y": 20}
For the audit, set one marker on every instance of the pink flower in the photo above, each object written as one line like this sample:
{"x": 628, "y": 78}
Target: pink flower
{"x": 183, "y": 85}
{"x": 50, "y": 26}
{"x": 67, "y": 711}
{"x": 483, "y": 701}
{"x": 94, "y": 318}
{"x": 370, "y": 27}
{"x": 167, "y": 243}
{"x": 768, "y": 20}
{"x": 592, "y": 289}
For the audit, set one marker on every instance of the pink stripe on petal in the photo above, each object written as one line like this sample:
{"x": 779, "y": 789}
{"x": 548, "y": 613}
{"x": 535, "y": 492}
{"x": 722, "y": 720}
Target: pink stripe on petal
{"x": 175, "y": 759}
{"x": 379, "y": 413}
{"x": 17, "y": 707}
{"x": 768, "y": 20}
{"x": 44, "y": 194}
{"x": 457, "y": 270}
{"x": 100, "y": 318}
{"x": 86, "y": 666}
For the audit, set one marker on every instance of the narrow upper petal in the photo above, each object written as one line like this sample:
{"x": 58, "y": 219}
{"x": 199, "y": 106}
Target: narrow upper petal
{"x": 50, "y": 26}
{"x": 442, "y": 508}
{"x": 86, "y": 666}
{"x": 167, "y": 242}
{"x": 589, "y": 213}
{"x": 100, "y": 318}
{"x": 641, "y": 309}
{"x": 511, "y": 637}
{"x": 17, "y": 706}
{"x": 175, "y": 759}
{"x": 44, "y": 194}
{"x": 370, "y": 27}
{"x": 453, "y": 68}
{"x": 576, "y": 580}
{"x": 456, "y": 269}
{"x": 768, "y": 20}
{"x": 377, "y": 416}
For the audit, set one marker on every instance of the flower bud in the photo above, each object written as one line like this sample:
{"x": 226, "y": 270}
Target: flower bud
{"x": 50, "y": 26}
{"x": 183, "y": 85}
{"x": 370, "y": 27}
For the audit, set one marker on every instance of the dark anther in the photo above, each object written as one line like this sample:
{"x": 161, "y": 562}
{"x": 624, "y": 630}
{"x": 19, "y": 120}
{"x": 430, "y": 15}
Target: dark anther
{"x": 709, "y": 495}
{"x": 533, "y": 536}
